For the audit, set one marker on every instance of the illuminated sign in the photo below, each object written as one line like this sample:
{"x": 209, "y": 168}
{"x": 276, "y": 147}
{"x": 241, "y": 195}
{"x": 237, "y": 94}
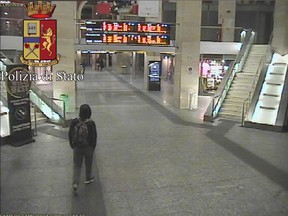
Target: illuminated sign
{"x": 132, "y": 33}
{"x": 133, "y": 39}
{"x": 133, "y": 27}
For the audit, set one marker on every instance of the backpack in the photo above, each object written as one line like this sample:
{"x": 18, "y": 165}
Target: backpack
{"x": 80, "y": 134}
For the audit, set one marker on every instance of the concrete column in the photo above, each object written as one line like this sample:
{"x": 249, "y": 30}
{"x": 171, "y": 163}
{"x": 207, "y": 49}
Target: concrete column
{"x": 150, "y": 56}
{"x": 188, "y": 30}
{"x": 114, "y": 62}
{"x": 93, "y": 61}
{"x": 123, "y": 61}
{"x": 65, "y": 14}
{"x": 78, "y": 62}
{"x": 226, "y": 17}
{"x": 280, "y": 31}
{"x": 133, "y": 66}
{"x": 107, "y": 61}
{"x": 261, "y": 20}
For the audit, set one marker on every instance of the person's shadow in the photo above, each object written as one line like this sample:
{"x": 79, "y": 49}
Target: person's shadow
{"x": 89, "y": 201}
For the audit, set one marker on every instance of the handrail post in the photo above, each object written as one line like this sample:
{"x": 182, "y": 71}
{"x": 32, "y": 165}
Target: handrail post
{"x": 243, "y": 108}
{"x": 64, "y": 110}
{"x": 35, "y": 120}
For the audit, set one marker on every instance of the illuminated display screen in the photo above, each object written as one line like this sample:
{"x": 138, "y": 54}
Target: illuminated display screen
{"x": 133, "y": 39}
{"x": 132, "y": 27}
{"x": 132, "y": 33}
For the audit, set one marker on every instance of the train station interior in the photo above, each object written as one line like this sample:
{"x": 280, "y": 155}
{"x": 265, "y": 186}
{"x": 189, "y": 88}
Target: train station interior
{"x": 189, "y": 98}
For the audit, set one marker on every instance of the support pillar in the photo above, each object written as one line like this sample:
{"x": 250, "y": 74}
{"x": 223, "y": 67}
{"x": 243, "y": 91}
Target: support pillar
{"x": 107, "y": 61}
{"x": 78, "y": 62}
{"x": 65, "y": 14}
{"x": 280, "y": 31}
{"x": 226, "y": 17}
{"x": 188, "y": 30}
{"x": 93, "y": 61}
{"x": 133, "y": 64}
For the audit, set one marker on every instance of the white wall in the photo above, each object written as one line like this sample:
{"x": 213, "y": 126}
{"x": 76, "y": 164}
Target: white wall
{"x": 11, "y": 42}
{"x": 228, "y": 48}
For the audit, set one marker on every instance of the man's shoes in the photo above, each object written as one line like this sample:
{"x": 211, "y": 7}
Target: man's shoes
{"x": 75, "y": 188}
{"x": 89, "y": 180}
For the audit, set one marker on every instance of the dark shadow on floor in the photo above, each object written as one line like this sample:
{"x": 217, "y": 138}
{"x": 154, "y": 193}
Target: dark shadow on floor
{"x": 89, "y": 201}
{"x": 50, "y": 129}
{"x": 270, "y": 171}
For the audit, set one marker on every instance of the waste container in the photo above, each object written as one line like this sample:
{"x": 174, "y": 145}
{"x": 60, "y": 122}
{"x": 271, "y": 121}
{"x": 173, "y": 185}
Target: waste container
{"x": 123, "y": 69}
{"x": 65, "y": 99}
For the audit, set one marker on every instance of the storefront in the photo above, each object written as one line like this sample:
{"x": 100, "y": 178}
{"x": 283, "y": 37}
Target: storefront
{"x": 211, "y": 72}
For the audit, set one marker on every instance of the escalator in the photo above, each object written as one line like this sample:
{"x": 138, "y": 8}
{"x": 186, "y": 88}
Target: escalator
{"x": 230, "y": 94}
{"x": 268, "y": 109}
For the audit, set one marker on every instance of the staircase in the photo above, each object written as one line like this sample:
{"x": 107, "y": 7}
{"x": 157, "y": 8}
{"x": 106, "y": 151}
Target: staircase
{"x": 242, "y": 84}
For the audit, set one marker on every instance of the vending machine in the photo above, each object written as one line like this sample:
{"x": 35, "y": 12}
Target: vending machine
{"x": 154, "y": 76}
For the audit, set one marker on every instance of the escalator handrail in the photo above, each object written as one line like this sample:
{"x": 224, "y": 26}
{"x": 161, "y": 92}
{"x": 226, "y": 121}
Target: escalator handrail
{"x": 47, "y": 99}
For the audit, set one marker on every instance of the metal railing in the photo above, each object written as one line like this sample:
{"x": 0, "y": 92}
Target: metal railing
{"x": 35, "y": 119}
{"x": 49, "y": 102}
{"x": 63, "y": 104}
{"x": 234, "y": 67}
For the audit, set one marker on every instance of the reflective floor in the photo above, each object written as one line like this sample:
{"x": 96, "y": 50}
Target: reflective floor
{"x": 151, "y": 160}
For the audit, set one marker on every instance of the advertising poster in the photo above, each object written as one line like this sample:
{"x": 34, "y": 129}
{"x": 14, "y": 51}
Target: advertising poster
{"x": 154, "y": 76}
{"x": 18, "y": 85}
{"x": 149, "y": 8}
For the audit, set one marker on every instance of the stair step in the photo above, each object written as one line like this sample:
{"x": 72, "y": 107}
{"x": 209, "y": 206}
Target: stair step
{"x": 241, "y": 85}
{"x": 239, "y": 90}
{"x": 229, "y": 115}
{"x": 248, "y": 71}
{"x": 237, "y": 97}
{"x": 242, "y": 82}
{"x": 234, "y": 101}
{"x": 232, "y": 107}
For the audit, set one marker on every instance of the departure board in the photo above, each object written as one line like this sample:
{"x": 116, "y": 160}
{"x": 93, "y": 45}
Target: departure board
{"x": 132, "y": 39}
{"x": 132, "y": 27}
{"x": 132, "y": 33}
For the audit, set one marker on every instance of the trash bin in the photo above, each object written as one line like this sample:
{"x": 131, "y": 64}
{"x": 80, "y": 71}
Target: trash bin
{"x": 124, "y": 69}
{"x": 65, "y": 99}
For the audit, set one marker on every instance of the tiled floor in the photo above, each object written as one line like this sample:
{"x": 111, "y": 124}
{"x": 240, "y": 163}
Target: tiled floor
{"x": 151, "y": 160}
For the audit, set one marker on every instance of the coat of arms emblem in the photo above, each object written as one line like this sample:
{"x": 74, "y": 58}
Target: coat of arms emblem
{"x": 40, "y": 36}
